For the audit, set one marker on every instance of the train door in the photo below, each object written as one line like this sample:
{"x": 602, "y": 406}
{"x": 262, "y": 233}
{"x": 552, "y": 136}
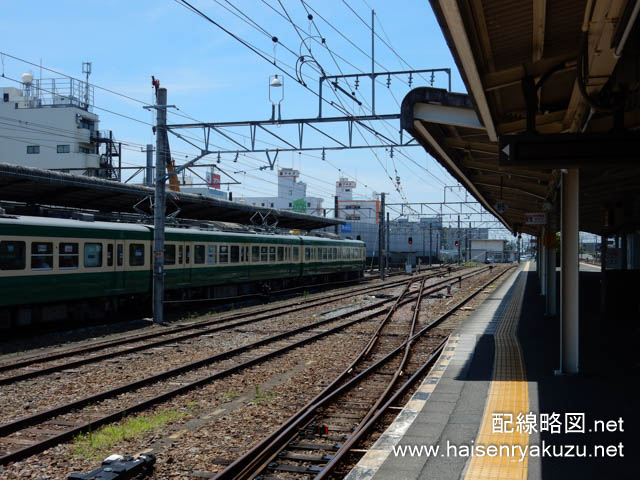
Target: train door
{"x": 115, "y": 262}
{"x": 188, "y": 261}
{"x": 183, "y": 263}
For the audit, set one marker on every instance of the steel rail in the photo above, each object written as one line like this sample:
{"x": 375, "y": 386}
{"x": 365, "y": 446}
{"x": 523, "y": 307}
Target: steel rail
{"x": 258, "y": 457}
{"x": 24, "y": 422}
{"x": 366, "y": 425}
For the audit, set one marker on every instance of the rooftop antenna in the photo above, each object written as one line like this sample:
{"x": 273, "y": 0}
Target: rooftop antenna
{"x": 86, "y": 69}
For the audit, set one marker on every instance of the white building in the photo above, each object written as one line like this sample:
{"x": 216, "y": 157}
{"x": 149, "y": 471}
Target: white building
{"x": 211, "y": 189}
{"x": 355, "y": 210}
{"x": 494, "y": 250}
{"x": 292, "y": 195}
{"x": 48, "y": 124}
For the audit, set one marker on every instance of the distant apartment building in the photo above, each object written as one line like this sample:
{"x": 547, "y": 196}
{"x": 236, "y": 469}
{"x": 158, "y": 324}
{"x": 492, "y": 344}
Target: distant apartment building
{"x": 48, "y": 123}
{"x": 292, "y": 195}
{"x": 355, "y": 210}
{"x": 211, "y": 188}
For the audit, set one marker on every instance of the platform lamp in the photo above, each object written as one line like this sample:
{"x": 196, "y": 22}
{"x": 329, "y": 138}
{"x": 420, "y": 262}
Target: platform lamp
{"x": 276, "y": 83}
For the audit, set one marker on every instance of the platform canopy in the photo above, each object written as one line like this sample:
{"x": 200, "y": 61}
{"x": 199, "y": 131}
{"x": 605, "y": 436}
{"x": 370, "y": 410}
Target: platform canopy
{"x": 34, "y": 186}
{"x": 540, "y": 69}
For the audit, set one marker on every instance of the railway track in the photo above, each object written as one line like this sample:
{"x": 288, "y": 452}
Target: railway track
{"x": 316, "y": 439}
{"x": 31, "y": 434}
{"x": 26, "y": 369}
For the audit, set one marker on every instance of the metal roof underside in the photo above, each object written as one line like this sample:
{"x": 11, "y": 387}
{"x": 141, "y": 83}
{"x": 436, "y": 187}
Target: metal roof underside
{"x": 441, "y": 122}
{"x": 501, "y": 45}
{"x": 34, "y": 186}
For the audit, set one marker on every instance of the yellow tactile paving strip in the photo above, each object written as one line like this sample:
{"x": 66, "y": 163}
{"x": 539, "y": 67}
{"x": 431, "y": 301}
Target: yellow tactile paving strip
{"x": 508, "y": 394}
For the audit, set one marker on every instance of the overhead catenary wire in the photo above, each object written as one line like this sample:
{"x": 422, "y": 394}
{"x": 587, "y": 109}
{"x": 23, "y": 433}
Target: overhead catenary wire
{"x": 343, "y": 109}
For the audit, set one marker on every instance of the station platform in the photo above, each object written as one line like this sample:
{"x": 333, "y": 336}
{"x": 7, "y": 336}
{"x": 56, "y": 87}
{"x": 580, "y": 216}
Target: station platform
{"x": 494, "y": 407}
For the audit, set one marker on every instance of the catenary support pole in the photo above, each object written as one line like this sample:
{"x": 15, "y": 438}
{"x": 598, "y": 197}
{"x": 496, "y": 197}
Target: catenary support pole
{"x": 387, "y": 250}
{"x": 149, "y": 172}
{"x": 336, "y": 212}
{"x": 459, "y": 242}
{"x": 430, "y": 245}
{"x": 159, "y": 206}
{"x": 381, "y": 249}
{"x": 569, "y": 272}
{"x": 373, "y": 63}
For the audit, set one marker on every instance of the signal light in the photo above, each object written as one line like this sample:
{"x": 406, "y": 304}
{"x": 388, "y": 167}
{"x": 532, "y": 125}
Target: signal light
{"x": 410, "y": 240}
{"x": 457, "y": 243}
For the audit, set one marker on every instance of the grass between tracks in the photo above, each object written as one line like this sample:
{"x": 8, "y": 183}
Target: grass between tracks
{"x": 95, "y": 444}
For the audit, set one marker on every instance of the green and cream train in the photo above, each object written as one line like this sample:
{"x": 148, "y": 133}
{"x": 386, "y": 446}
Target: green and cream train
{"x": 54, "y": 269}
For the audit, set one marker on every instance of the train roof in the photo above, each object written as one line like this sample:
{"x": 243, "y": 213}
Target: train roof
{"x": 141, "y": 231}
{"x": 69, "y": 223}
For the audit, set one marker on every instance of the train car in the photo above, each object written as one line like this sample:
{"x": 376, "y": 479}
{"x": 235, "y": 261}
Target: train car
{"x": 55, "y": 269}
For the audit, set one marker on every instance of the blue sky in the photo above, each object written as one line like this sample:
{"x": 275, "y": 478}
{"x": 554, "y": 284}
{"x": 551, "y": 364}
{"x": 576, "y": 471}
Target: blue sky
{"x": 212, "y": 77}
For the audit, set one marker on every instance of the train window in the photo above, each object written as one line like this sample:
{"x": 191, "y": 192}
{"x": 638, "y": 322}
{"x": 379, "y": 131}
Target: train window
{"x": 329, "y": 253}
{"x": 235, "y": 254}
{"x": 224, "y": 254}
{"x": 335, "y": 253}
{"x": 246, "y": 254}
{"x": 307, "y": 253}
{"x": 180, "y": 254}
{"x": 263, "y": 254}
{"x": 255, "y": 254}
{"x": 287, "y": 254}
{"x": 12, "y": 255}
{"x": 136, "y": 254}
{"x": 110, "y": 255}
{"x": 272, "y": 254}
{"x": 187, "y": 254}
{"x": 68, "y": 255}
{"x": 211, "y": 254}
{"x": 41, "y": 256}
{"x": 169, "y": 254}
{"x": 198, "y": 254}
{"x": 325, "y": 254}
{"x": 120, "y": 258}
{"x": 296, "y": 254}
{"x": 92, "y": 255}
{"x": 280, "y": 254}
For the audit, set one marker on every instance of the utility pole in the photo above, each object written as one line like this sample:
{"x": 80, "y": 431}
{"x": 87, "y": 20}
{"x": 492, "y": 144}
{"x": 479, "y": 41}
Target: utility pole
{"x": 381, "y": 238}
{"x": 430, "y": 244}
{"x": 159, "y": 206}
{"x": 459, "y": 242}
{"x": 149, "y": 171}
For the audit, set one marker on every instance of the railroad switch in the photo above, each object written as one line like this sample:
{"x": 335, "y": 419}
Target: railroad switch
{"x": 118, "y": 467}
